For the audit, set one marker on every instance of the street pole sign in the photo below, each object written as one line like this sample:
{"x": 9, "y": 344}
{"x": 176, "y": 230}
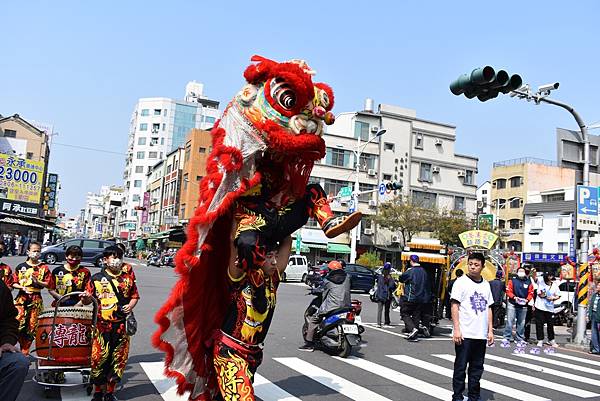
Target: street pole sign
{"x": 488, "y": 219}
{"x": 587, "y": 208}
{"x": 345, "y": 194}
{"x": 298, "y": 243}
{"x": 351, "y": 206}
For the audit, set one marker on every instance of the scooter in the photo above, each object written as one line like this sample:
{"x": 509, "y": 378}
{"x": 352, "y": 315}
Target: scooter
{"x": 337, "y": 332}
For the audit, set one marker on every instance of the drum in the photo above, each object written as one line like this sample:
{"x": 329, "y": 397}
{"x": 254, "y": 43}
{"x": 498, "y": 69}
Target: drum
{"x": 71, "y": 337}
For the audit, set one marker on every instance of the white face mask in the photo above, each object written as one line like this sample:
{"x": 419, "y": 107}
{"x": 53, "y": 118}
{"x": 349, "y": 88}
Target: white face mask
{"x": 34, "y": 255}
{"x": 116, "y": 263}
{"x": 521, "y": 274}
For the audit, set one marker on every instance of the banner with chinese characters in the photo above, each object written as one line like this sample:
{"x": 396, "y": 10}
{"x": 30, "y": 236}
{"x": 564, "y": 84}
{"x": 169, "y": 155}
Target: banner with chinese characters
{"x": 478, "y": 239}
{"x": 21, "y": 179}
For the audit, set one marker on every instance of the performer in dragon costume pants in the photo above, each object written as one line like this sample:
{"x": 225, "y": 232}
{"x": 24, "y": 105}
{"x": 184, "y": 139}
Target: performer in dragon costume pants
{"x": 255, "y": 194}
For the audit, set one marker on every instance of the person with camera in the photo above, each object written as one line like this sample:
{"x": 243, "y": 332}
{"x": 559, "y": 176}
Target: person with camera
{"x": 547, "y": 293}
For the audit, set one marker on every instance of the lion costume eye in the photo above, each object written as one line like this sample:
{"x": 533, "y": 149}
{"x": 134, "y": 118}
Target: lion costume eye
{"x": 283, "y": 94}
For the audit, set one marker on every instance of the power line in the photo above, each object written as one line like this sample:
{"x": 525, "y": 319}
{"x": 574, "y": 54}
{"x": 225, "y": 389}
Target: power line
{"x": 88, "y": 148}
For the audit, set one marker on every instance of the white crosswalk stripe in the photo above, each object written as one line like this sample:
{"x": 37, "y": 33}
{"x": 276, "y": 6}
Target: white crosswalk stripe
{"x": 570, "y": 366}
{"x": 531, "y": 380}
{"x": 166, "y": 387}
{"x": 495, "y": 387}
{"x": 267, "y": 391}
{"x": 575, "y": 358}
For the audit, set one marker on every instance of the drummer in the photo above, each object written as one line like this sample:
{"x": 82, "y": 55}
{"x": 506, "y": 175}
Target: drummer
{"x": 6, "y": 274}
{"x": 117, "y": 294}
{"x": 69, "y": 277}
{"x": 30, "y": 278}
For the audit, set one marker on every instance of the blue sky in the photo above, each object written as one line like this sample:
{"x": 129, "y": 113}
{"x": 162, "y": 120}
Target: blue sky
{"x": 82, "y": 65}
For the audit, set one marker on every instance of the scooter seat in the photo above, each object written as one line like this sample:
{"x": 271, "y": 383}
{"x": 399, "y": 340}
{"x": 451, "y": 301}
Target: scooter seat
{"x": 338, "y": 310}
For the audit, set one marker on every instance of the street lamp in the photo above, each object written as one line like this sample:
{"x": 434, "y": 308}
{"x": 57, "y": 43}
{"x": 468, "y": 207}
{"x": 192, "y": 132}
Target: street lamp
{"x": 356, "y": 192}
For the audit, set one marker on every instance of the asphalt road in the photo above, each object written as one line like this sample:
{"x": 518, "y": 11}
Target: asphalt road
{"x": 386, "y": 367}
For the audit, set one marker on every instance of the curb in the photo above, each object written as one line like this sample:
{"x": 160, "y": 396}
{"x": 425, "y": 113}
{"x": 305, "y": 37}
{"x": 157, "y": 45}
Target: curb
{"x": 577, "y": 347}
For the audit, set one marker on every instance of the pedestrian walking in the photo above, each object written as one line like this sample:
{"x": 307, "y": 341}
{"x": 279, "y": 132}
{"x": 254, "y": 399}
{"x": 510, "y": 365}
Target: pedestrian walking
{"x": 547, "y": 293}
{"x": 117, "y": 296}
{"x": 458, "y": 274}
{"x": 13, "y": 364}
{"x": 30, "y": 278}
{"x": 518, "y": 293}
{"x": 6, "y": 274}
{"x": 498, "y": 289}
{"x": 472, "y": 327}
{"x": 386, "y": 285}
{"x": 417, "y": 294}
{"x": 12, "y": 246}
{"x": 593, "y": 317}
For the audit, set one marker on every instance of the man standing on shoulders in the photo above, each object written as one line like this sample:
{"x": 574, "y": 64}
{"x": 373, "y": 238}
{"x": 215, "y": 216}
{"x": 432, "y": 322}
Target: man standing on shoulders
{"x": 13, "y": 364}
{"x": 417, "y": 293}
{"x": 471, "y": 300}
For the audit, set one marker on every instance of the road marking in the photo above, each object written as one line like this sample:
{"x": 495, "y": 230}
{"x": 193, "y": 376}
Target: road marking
{"x": 543, "y": 369}
{"x": 401, "y": 335}
{"x": 530, "y": 379}
{"x": 400, "y": 378}
{"x": 166, "y": 387}
{"x": 495, "y": 387}
{"x": 574, "y": 358}
{"x": 334, "y": 382}
{"x": 561, "y": 364}
{"x": 268, "y": 391}
{"x": 300, "y": 284}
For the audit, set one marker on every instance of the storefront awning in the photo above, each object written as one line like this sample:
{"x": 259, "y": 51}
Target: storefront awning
{"x": 338, "y": 248}
{"x": 315, "y": 246}
{"x": 19, "y": 222}
{"x": 161, "y": 235}
{"x": 425, "y": 257}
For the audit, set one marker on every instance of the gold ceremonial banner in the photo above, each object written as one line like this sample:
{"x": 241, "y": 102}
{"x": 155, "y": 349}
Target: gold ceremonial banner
{"x": 478, "y": 239}
{"x": 20, "y": 179}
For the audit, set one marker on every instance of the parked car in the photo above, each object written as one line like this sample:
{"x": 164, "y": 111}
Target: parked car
{"x": 361, "y": 278}
{"x": 92, "y": 251}
{"x": 297, "y": 269}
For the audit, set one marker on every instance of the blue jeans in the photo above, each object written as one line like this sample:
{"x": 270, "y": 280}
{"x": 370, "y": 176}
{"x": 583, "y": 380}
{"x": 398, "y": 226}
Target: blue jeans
{"x": 519, "y": 313}
{"x": 595, "y": 336}
{"x": 13, "y": 370}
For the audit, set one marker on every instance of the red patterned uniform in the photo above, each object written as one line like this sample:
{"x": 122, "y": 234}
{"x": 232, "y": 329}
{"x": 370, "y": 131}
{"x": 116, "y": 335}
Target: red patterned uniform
{"x": 6, "y": 275}
{"x": 110, "y": 344}
{"x": 29, "y": 303}
{"x": 64, "y": 280}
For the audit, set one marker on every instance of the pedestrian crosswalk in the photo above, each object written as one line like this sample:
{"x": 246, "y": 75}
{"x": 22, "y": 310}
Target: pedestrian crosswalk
{"x": 507, "y": 376}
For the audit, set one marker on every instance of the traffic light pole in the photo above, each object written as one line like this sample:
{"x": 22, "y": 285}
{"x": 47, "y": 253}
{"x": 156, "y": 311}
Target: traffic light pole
{"x": 585, "y": 235}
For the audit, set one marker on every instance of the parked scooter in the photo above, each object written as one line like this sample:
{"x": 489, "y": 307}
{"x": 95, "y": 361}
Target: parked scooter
{"x": 338, "y": 332}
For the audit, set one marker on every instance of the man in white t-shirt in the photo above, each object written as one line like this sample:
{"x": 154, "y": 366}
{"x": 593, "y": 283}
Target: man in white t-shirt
{"x": 471, "y": 300}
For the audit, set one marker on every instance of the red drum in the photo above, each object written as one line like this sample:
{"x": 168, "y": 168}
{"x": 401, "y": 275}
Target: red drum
{"x": 71, "y": 337}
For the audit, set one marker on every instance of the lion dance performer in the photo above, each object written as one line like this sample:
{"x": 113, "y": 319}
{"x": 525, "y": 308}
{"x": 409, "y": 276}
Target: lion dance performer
{"x": 255, "y": 194}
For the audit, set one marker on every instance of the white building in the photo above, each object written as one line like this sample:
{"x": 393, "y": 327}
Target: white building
{"x": 483, "y": 198}
{"x": 158, "y": 126}
{"x": 93, "y": 215}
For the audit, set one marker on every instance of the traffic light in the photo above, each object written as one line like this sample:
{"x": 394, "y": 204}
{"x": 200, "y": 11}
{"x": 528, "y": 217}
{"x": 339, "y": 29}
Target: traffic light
{"x": 392, "y": 186}
{"x": 485, "y": 83}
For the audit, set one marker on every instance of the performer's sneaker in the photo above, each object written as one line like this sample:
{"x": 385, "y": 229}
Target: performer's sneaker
{"x": 307, "y": 347}
{"x": 339, "y": 225}
{"x": 110, "y": 397}
{"x": 98, "y": 396}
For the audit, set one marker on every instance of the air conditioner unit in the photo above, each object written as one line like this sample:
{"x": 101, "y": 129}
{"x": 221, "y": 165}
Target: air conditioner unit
{"x": 461, "y": 173}
{"x": 371, "y": 172}
{"x": 438, "y": 142}
{"x": 564, "y": 222}
{"x": 435, "y": 169}
{"x": 368, "y": 231}
{"x": 395, "y": 238}
{"x": 374, "y": 129}
{"x": 372, "y": 203}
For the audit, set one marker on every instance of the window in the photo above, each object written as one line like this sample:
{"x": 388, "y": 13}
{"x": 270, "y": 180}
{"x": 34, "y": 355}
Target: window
{"x": 136, "y": 198}
{"x": 425, "y": 199}
{"x": 155, "y": 128}
{"x": 332, "y": 187}
{"x": 210, "y": 120}
{"x": 425, "y": 172}
{"x": 137, "y": 183}
{"x": 164, "y": 126}
{"x": 484, "y": 192}
{"x": 553, "y": 197}
{"x": 515, "y": 224}
{"x": 162, "y": 141}
{"x": 182, "y": 210}
{"x": 202, "y": 150}
{"x": 10, "y": 133}
{"x": 459, "y": 203}
{"x": 365, "y": 187}
{"x": 169, "y": 167}
{"x": 143, "y": 127}
{"x": 337, "y": 157}
{"x": 387, "y": 177}
{"x": 563, "y": 247}
{"x": 388, "y": 146}
{"x": 29, "y": 155}
{"x": 500, "y": 183}
{"x": 145, "y": 112}
{"x": 142, "y": 140}
{"x": 367, "y": 161}
{"x": 140, "y": 155}
{"x": 502, "y": 224}
{"x": 516, "y": 203}
{"x": 91, "y": 244}
{"x": 537, "y": 246}
{"x": 152, "y": 155}
{"x": 516, "y": 182}
{"x": 188, "y": 151}
{"x": 185, "y": 181}
{"x": 161, "y": 155}
{"x": 418, "y": 141}
{"x": 198, "y": 177}
{"x": 469, "y": 178}
{"x": 139, "y": 169}
{"x": 361, "y": 130}
{"x": 157, "y": 112}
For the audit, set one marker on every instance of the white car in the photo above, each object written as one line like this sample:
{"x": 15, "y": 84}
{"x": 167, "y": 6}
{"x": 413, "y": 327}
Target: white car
{"x": 297, "y": 269}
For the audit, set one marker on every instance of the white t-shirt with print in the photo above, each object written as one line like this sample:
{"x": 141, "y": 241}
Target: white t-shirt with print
{"x": 552, "y": 290}
{"x": 475, "y": 299}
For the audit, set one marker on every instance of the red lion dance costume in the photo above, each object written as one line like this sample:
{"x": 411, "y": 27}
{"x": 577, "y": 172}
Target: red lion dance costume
{"x": 255, "y": 192}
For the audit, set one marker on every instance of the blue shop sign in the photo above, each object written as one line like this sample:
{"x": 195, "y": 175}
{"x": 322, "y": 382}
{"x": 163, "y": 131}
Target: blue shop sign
{"x": 533, "y": 257}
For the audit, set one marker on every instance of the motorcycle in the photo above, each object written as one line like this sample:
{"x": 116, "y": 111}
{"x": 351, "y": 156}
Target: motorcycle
{"x": 563, "y": 315}
{"x": 338, "y": 331}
